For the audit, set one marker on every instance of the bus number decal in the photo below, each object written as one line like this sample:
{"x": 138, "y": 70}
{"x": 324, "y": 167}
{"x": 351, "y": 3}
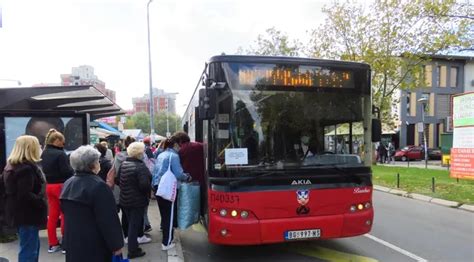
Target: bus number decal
{"x": 225, "y": 198}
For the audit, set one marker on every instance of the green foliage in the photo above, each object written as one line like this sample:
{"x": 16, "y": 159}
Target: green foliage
{"x": 396, "y": 37}
{"x": 418, "y": 180}
{"x": 273, "y": 43}
{"x": 142, "y": 121}
{"x": 174, "y": 122}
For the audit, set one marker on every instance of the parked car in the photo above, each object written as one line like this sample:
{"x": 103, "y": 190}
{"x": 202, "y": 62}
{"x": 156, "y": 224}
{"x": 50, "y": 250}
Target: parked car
{"x": 409, "y": 153}
{"x": 434, "y": 154}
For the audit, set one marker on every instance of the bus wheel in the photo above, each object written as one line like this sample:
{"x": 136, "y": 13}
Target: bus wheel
{"x": 404, "y": 158}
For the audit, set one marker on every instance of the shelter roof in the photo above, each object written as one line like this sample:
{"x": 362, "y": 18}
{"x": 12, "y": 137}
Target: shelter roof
{"x": 79, "y": 99}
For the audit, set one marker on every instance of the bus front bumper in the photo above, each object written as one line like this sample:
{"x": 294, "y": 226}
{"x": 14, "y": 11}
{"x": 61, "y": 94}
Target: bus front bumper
{"x": 230, "y": 231}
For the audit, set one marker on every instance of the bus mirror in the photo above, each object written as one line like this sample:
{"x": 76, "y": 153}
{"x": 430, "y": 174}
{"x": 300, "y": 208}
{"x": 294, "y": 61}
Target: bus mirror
{"x": 376, "y": 130}
{"x": 207, "y": 101}
{"x": 186, "y": 127}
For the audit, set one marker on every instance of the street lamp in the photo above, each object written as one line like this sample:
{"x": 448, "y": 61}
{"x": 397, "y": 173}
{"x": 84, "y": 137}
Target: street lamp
{"x": 152, "y": 126}
{"x": 168, "y": 134}
{"x": 423, "y": 101}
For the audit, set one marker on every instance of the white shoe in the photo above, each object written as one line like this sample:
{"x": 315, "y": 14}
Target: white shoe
{"x": 168, "y": 247}
{"x": 143, "y": 240}
{"x": 54, "y": 249}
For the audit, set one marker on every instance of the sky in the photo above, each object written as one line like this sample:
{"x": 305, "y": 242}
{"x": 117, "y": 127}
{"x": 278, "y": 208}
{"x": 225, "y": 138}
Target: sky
{"x": 39, "y": 40}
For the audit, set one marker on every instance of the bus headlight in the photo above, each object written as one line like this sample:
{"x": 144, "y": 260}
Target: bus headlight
{"x": 233, "y": 213}
{"x": 223, "y": 212}
{"x": 367, "y": 205}
{"x": 360, "y": 206}
{"x": 244, "y": 214}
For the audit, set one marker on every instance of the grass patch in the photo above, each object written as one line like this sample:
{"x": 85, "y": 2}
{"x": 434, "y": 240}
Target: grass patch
{"x": 418, "y": 180}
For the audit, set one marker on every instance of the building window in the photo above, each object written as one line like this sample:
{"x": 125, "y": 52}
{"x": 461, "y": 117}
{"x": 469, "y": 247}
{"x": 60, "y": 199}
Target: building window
{"x": 428, "y": 73}
{"x": 441, "y": 76}
{"x": 408, "y": 96}
{"x": 454, "y": 76}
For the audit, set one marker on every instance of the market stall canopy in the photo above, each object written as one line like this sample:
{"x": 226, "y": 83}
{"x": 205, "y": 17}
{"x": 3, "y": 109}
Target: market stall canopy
{"x": 135, "y": 133}
{"x": 105, "y": 128}
{"x": 78, "y": 99}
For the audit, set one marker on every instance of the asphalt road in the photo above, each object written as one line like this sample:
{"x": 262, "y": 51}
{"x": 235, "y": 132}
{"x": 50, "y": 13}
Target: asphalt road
{"x": 404, "y": 230}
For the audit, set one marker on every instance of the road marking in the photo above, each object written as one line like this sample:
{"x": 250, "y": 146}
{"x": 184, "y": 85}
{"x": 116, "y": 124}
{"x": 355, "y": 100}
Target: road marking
{"x": 398, "y": 249}
{"x": 328, "y": 254}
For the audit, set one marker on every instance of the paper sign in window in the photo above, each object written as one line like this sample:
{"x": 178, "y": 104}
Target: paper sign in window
{"x": 236, "y": 156}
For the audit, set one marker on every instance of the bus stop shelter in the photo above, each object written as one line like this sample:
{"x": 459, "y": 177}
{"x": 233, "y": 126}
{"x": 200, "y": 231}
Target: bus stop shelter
{"x": 77, "y": 99}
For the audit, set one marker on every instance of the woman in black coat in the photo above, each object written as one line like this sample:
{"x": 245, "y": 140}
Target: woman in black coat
{"x": 25, "y": 204}
{"x": 92, "y": 230}
{"x": 135, "y": 188}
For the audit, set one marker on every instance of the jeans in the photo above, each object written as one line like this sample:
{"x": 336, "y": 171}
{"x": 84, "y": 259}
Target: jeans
{"x": 29, "y": 243}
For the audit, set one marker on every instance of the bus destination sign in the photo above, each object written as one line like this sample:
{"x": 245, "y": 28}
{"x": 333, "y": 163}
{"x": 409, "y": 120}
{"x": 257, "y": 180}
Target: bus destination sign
{"x": 295, "y": 76}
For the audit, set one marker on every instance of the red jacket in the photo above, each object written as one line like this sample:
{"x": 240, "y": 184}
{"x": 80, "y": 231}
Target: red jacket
{"x": 192, "y": 160}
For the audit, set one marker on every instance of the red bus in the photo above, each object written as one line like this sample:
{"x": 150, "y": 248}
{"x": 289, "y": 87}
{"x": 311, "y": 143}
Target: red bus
{"x": 288, "y": 146}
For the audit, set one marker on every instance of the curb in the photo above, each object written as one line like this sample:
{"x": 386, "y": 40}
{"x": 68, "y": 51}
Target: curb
{"x": 438, "y": 201}
{"x": 176, "y": 254}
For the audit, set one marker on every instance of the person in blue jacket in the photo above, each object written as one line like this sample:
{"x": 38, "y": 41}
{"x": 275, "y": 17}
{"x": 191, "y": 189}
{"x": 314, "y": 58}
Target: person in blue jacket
{"x": 168, "y": 208}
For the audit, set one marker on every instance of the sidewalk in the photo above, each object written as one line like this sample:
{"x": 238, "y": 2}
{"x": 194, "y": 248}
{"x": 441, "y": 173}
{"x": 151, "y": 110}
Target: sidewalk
{"x": 432, "y": 164}
{"x": 153, "y": 249}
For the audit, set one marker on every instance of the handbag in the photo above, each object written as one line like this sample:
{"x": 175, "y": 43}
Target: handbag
{"x": 189, "y": 204}
{"x": 119, "y": 258}
{"x": 168, "y": 185}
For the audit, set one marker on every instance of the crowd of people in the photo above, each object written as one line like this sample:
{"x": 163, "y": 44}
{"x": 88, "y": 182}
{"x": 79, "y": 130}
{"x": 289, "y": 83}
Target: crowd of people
{"x": 85, "y": 192}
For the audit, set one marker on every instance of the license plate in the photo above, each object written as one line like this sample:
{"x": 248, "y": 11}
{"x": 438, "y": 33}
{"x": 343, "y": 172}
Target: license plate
{"x": 302, "y": 234}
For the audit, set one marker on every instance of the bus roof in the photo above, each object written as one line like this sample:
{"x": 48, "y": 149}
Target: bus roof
{"x": 284, "y": 59}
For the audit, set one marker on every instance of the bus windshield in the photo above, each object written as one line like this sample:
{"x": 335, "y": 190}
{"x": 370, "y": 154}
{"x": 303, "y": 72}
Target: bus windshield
{"x": 279, "y": 128}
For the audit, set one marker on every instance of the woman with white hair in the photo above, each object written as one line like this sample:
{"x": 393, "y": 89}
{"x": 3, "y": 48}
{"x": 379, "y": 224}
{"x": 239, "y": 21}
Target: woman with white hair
{"x": 135, "y": 187}
{"x": 92, "y": 228}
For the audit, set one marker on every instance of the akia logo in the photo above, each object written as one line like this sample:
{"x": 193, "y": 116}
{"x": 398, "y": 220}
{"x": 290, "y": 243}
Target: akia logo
{"x": 301, "y": 182}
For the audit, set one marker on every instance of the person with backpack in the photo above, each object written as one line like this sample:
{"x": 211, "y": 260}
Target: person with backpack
{"x": 25, "y": 203}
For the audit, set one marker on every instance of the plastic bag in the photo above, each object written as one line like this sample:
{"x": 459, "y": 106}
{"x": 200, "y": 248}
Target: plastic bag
{"x": 168, "y": 185}
{"x": 189, "y": 204}
{"x": 119, "y": 258}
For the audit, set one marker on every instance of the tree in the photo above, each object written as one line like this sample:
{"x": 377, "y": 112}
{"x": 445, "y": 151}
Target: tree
{"x": 141, "y": 121}
{"x": 396, "y": 37}
{"x": 174, "y": 122}
{"x": 273, "y": 43}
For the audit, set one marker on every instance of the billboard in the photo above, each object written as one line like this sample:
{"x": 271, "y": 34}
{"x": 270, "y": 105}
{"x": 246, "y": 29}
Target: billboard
{"x": 75, "y": 129}
{"x": 463, "y": 110}
{"x": 462, "y": 153}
